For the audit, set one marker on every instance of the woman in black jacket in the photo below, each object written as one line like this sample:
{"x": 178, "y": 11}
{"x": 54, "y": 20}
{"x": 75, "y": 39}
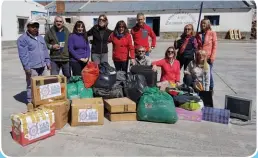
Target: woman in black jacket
{"x": 100, "y": 33}
{"x": 187, "y": 46}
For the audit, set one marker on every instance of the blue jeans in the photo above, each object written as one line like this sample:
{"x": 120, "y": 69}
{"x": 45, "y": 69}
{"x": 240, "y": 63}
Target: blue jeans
{"x": 211, "y": 77}
{"x": 57, "y": 65}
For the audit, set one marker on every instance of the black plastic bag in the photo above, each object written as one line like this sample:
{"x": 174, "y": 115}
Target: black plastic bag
{"x": 134, "y": 86}
{"x": 107, "y": 76}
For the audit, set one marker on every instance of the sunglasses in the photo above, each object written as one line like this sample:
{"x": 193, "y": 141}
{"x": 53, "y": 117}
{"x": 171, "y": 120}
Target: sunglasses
{"x": 141, "y": 51}
{"x": 102, "y": 20}
{"x": 170, "y": 52}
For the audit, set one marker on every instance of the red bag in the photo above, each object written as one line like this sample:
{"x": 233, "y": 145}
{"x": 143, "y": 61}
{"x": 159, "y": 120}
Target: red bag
{"x": 90, "y": 74}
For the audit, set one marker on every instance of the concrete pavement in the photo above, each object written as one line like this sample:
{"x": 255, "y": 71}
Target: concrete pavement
{"x": 234, "y": 72}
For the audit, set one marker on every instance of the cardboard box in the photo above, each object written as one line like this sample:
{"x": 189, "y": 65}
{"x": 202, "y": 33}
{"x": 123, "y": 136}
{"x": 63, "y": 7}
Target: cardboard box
{"x": 120, "y": 105}
{"x": 87, "y": 111}
{"x": 47, "y": 89}
{"x": 189, "y": 115}
{"x": 61, "y": 110}
{"x": 32, "y": 126}
{"x": 122, "y": 117}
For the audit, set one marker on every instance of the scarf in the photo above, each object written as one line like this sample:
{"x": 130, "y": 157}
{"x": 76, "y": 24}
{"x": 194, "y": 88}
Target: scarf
{"x": 186, "y": 40}
{"x": 118, "y": 35}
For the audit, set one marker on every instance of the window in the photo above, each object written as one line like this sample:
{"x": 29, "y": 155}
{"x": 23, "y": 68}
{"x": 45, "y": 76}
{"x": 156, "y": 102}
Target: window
{"x": 95, "y": 21}
{"x": 214, "y": 19}
{"x": 131, "y": 22}
{"x": 68, "y": 20}
{"x": 21, "y": 24}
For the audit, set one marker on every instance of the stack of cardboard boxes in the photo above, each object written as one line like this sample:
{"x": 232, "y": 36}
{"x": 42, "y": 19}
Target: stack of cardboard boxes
{"x": 50, "y": 92}
{"x": 120, "y": 109}
{"x": 50, "y": 110}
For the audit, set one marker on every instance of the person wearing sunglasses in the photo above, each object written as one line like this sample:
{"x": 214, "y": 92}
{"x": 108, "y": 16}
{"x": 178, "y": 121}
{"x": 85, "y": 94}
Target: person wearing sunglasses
{"x": 57, "y": 42}
{"x": 170, "y": 67}
{"x": 123, "y": 49}
{"x": 33, "y": 54}
{"x": 141, "y": 58}
{"x": 141, "y": 33}
{"x": 100, "y": 33}
{"x": 207, "y": 41}
{"x": 187, "y": 46}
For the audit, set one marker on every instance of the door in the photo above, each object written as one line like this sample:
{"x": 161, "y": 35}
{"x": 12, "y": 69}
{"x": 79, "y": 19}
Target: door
{"x": 156, "y": 26}
{"x": 154, "y": 23}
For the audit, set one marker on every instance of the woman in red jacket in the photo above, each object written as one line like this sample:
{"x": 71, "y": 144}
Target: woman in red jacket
{"x": 170, "y": 67}
{"x": 123, "y": 49}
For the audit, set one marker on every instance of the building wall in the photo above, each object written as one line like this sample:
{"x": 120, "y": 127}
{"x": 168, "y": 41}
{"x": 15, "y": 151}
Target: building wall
{"x": 10, "y": 11}
{"x": 175, "y": 22}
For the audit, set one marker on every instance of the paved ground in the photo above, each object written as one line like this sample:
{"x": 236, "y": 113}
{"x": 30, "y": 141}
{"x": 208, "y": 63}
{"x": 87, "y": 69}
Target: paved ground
{"x": 235, "y": 71}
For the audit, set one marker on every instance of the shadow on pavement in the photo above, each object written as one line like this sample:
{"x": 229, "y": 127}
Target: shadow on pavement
{"x": 21, "y": 97}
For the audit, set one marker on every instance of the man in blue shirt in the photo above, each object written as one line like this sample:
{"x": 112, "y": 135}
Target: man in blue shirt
{"x": 33, "y": 54}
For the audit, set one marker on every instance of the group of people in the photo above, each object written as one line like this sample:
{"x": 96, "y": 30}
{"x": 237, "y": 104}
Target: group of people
{"x": 71, "y": 51}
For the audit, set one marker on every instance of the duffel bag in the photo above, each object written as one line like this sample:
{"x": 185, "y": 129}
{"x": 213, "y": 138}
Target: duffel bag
{"x": 147, "y": 72}
{"x": 115, "y": 92}
{"x": 156, "y": 106}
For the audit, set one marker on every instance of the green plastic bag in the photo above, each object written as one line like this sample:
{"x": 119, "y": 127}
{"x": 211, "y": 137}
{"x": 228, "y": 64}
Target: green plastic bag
{"x": 84, "y": 92}
{"x": 190, "y": 105}
{"x": 72, "y": 89}
{"x": 76, "y": 89}
{"x": 156, "y": 106}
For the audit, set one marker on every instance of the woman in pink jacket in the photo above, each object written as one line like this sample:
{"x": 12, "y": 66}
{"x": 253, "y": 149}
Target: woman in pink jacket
{"x": 207, "y": 41}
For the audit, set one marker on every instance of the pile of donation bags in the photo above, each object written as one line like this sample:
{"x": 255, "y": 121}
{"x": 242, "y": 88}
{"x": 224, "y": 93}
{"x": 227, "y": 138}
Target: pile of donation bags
{"x": 86, "y": 99}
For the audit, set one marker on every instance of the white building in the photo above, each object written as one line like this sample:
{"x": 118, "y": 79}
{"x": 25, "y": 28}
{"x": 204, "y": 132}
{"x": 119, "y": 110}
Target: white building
{"x": 167, "y": 18}
{"x": 15, "y": 15}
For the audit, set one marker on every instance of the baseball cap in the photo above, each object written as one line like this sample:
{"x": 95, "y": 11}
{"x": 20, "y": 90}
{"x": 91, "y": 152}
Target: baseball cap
{"x": 32, "y": 21}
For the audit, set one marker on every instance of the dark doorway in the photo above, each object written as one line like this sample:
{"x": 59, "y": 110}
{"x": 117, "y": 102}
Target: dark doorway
{"x": 154, "y": 23}
{"x": 156, "y": 26}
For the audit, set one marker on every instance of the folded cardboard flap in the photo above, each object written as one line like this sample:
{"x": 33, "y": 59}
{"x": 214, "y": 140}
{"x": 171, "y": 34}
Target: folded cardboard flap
{"x": 119, "y": 105}
{"x": 87, "y": 101}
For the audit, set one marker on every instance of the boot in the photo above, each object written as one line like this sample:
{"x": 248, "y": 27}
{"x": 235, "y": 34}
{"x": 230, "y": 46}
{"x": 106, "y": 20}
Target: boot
{"x": 30, "y": 106}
